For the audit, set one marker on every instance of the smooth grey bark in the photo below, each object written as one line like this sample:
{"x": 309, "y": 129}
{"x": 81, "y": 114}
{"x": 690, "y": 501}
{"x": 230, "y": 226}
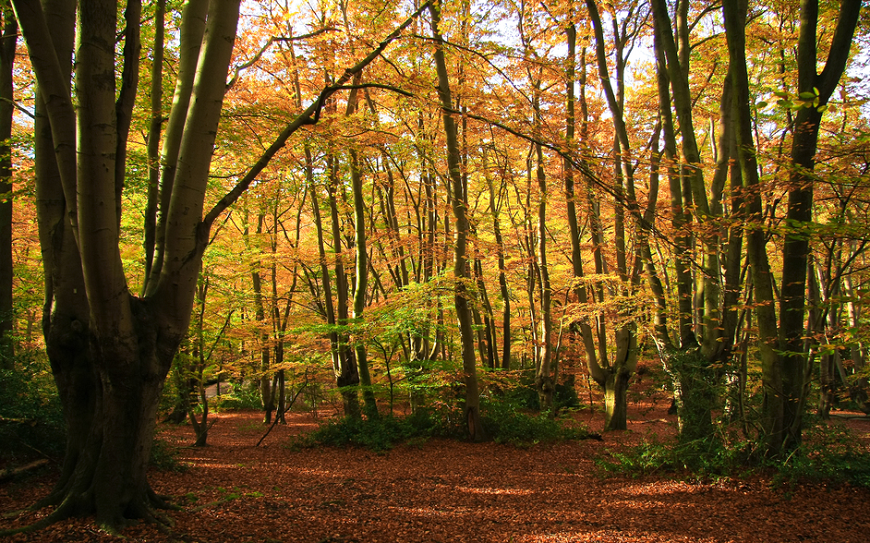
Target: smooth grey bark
{"x": 361, "y": 274}
{"x": 858, "y": 389}
{"x": 267, "y": 399}
{"x": 708, "y": 288}
{"x": 191, "y": 34}
{"x": 494, "y": 209}
{"x": 796, "y": 244}
{"x": 111, "y": 383}
{"x": 580, "y": 289}
{"x": 200, "y": 425}
{"x": 707, "y": 326}
{"x": 154, "y": 131}
{"x": 343, "y": 366}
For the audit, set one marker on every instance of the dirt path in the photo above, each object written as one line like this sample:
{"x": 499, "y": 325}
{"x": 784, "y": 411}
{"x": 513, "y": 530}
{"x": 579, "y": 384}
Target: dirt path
{"x": 445, "y": 491}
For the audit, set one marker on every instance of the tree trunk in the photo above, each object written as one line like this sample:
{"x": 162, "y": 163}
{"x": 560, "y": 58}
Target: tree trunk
{"x": 362, "y": 270}
{"x": 796, "y": 249}
{"x": 617, "y": 373}
{"x": 110, "y": 352}
{"x": 112, "y": 401}
{"x": 860, "y": 386}
{"x": 343, "y": 367}
{"x": 694, "y": 385}
{"x": 544, "y": 380}
{"x": 615, "y": 404}
{"x": 7, "y": 107}
{"x": 782, "y": 346}
{"x": 474, "y": 426}
{"x": 349, "y": 378}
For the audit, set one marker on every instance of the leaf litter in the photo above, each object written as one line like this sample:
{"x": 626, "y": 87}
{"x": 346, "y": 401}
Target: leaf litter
{"x": 445, "y": 491}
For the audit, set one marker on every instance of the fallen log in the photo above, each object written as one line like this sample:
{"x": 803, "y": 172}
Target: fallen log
{"x": 8, "y": 474}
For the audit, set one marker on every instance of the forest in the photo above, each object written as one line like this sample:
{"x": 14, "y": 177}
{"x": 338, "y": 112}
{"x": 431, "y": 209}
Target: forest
{"x": 507, "y": 223}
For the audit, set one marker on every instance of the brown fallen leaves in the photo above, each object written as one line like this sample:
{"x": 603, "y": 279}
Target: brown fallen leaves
{"x": 444, "y": 491}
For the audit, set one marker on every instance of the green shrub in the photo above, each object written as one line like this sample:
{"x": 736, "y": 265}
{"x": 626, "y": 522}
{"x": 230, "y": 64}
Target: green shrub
{"x": 241, "y": 396}
{"x": 525, "y": 396}
{"x": 829, "y": 452}
{"x": 505, "y": 422}
{"x": 31, "y": 415}
{"x": 708, "y": 457}
{"x": 164, "y": 457}
{"x": 377, "y": 434}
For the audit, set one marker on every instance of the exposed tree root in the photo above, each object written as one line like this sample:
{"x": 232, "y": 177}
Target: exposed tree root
{"x": 12, "y": 473}
{"x": 57, "y": 515}
{"x": 38, "y": 525}
{"x": 146, "y": 509}
{"x": 13, "y": 514}
{"x": 160, "y": 501}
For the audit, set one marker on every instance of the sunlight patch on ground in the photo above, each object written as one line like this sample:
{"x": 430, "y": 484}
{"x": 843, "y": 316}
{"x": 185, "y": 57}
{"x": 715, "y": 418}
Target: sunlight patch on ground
{"x": 314, "y": 472}
{"x": 497, "y": 491}
{"x": 609, "y": 536}
{"x": 425, "y": 511}
{"x": 647, "y": 503}
{"x": 657, "y": 488}
{"x": 207, "y": 463}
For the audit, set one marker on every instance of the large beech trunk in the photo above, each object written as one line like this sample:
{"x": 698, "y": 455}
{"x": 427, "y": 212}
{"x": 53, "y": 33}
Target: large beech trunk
{"x": 615, "y": 395}
{"x": 110, "y": 404}
{"x": 109, "y": 350}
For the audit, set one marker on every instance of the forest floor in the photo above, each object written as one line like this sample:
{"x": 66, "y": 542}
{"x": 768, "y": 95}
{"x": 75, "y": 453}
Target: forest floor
{"x": 447, "y": 491}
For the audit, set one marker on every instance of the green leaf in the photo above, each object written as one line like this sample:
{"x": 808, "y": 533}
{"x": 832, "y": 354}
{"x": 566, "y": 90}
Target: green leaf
{"x": 781, "y": 94}
{"x": 806, "y": 95}
{"x": 821, "y": 109}
{"x": 761, "y": 105}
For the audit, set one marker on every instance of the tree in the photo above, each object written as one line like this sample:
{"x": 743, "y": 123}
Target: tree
{"x": 8, "y": 42}
{"x": 784, "y": 361}
{"x": 460, "y": 262}
{"x": 706, "y": 310}
{"x": 613, "y": 375}
{"x": 111, "y": 350}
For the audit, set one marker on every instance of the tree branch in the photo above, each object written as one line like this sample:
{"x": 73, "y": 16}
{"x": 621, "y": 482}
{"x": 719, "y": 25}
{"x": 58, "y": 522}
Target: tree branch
{"x": 310, "y": 116}
{"x": 237, "y": 70}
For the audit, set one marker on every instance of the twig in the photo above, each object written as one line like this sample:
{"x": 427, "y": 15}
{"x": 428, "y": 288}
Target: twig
{"x": 277, "y": 418}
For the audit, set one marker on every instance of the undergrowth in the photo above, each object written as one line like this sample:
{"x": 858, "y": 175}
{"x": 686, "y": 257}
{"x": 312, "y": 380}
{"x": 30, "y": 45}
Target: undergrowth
{"x": 31, "y": 416}
{"x": 376, "y": 434}
{"x": 829, "y": 453}
{"x": 164, "y": 457}
{"x": 503, "y": 422}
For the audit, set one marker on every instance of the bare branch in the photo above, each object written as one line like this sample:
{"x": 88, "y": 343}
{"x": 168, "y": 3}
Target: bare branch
{"x": 310, "y": 116}
{"x": 244, "y": 66}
